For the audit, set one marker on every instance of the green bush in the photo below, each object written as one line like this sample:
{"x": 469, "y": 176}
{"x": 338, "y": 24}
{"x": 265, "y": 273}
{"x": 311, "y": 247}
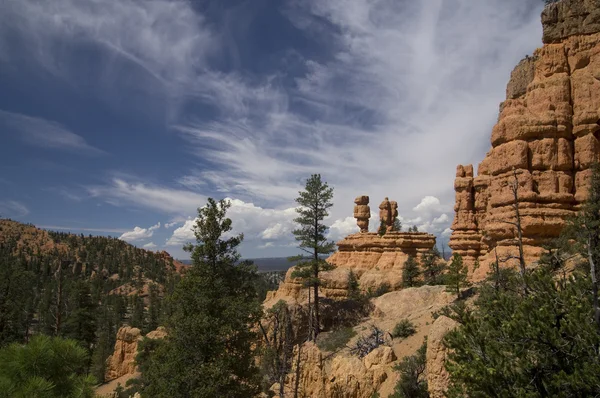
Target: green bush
{"x": 336, "y": 339}
{"x": 404, "y": 329}
{"x": 380, "y": 291}
{"x": 412, "y": 383}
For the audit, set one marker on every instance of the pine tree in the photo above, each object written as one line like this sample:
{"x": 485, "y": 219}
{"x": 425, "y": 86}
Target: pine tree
{"x": 49, "y": 367}
{"x": 138, "y": 312}
{"x": 211, "y": 343}
{"x": 410, "y": 273}
{"x": 353, "y": 286}
{"x": 540, "y": 344}
{"x": 585, "y": 231}
{"x": 80, "y": 324}
{"x": 397, "y": 225}
{"x": 382, "y": 228}
{"x": 456, "y": 277}
{"x": 314, "y": 201}
{"x": 433, "y": 267}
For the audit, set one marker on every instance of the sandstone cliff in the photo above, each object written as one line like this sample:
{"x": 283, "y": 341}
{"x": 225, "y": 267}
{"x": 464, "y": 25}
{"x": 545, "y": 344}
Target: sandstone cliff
{"x": 122, "y": 361}
{"x": 547, "y": 134}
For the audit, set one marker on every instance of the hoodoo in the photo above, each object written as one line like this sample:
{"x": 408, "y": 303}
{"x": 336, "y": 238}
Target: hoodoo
{"x": 544, "y": 143}
{"x": 375, "y": 259}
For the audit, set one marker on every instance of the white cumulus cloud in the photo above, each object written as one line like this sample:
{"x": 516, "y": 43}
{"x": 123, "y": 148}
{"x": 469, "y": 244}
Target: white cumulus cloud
{"x": 139, "y": 233}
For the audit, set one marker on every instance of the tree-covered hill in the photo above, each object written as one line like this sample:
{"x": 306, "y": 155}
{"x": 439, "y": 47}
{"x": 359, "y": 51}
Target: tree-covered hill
{"x": 81, "y": 287}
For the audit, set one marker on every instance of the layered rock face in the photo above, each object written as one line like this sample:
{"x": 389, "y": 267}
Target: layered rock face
{"x": 545, "y": 140}
{"x": 122, "y": 361}
{"x": 375, "y": 260}
{"x": 435, "y": 368}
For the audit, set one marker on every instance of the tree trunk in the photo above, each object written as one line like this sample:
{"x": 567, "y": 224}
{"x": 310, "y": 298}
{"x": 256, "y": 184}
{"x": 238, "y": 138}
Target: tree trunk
{"x": 594, "y": 283}
{"x": 316, "y": 325}
{"x": 59, "y": 303}
{"x": 519, "y": 232}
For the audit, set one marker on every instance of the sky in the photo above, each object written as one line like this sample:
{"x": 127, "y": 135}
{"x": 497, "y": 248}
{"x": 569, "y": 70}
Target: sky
{"x": 121, "y": 117}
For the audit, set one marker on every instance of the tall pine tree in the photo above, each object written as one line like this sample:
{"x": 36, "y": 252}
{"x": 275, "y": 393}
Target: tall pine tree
{"x": 314, "y": 201}
{"x": 210, "y": 348}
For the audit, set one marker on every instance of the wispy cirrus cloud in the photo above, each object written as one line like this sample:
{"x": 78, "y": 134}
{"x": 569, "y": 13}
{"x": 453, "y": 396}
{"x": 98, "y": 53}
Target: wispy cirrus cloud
{"x": 156, "y": 197}
{"x": 402, "y": 93}
{"x": 13, "y": 208}
{"x": 45, "y": 133}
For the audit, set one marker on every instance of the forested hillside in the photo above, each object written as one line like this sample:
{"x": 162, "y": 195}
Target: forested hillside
{"x": 80, "y": 287}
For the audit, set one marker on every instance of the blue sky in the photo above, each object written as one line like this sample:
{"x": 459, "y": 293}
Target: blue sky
{"x": 120, "y": 117}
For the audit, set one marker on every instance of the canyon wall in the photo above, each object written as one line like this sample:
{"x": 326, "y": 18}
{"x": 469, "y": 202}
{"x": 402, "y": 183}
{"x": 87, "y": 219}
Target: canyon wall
{"x": 543, "y": 145}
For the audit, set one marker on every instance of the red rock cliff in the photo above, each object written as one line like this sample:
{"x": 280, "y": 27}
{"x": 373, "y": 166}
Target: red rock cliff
{"x": 547, "y": 132}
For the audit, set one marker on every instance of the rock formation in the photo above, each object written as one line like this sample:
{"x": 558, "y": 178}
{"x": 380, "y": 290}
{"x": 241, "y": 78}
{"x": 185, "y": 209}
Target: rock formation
{"x": 375, "y": 260}
{"x": 122, "y": 361}
{"x": 388, "y": 211}
{"x": 545, "y": 140}
{"x": 362, "y": 213}
{"x": 345, "y": 375}
{"x": 437, "y": 375}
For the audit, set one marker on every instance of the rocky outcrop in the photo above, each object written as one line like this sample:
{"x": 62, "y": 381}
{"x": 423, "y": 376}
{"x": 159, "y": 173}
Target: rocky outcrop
{"x": 362, "y": 213}
{"x": 343, "y": 374}
{"x": 375, "y": 260}
{"x": 545, "y": 140}
{"x": 122, "y": 361}
{"x": 437, "y": 375}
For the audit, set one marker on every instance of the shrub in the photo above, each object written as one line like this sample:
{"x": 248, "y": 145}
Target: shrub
{"x": 412, "y": 383}
{"x": 336, "y": 339}
{"x": 404, "y": 329}
{"x": 366, "y": 344}
{"x": 380, "y": 291}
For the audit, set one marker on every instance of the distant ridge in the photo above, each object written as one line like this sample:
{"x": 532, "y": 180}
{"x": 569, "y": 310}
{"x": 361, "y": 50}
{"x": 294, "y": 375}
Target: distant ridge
{"x": 266, "y": 264}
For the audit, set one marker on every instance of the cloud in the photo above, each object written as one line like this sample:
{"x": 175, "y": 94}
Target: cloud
{"x": 150, "y": 246}
{"x": 400, "y": 93}
{"x": 427, "y": 205}
{"x": 386, "y": 112}
{"x": 156, "y": 197}
{"x": 170, "y": 225}
{"x": 258, "y": 225}
{"x": 139, "y": 233}
{"x": 341, "y": 228}
{"x": 12, "y": 208}
{"x": 45, "y": 133}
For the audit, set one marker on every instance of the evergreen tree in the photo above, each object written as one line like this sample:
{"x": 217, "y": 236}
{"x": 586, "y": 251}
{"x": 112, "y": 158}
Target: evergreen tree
{"x": 210, "y": 348}
{"x": 48, "y": 367}
{"x": 412, "y": 383}
{"x": 353, "y": 286}
{"x": 456, "y": 277}
{"x": 154, "y": 308}
{"x": 540, "y": 344}
{"x": 584, "y": 232}
{"x": 80, "y": 324}
{"x": 410, "y": 273}
{"x": 433, "y": 267}
{"x": 382, "y": 228}
{"x": 397, "y": 225}
{"x": 314, "y": 201}
{"x": 138, "y": 312}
